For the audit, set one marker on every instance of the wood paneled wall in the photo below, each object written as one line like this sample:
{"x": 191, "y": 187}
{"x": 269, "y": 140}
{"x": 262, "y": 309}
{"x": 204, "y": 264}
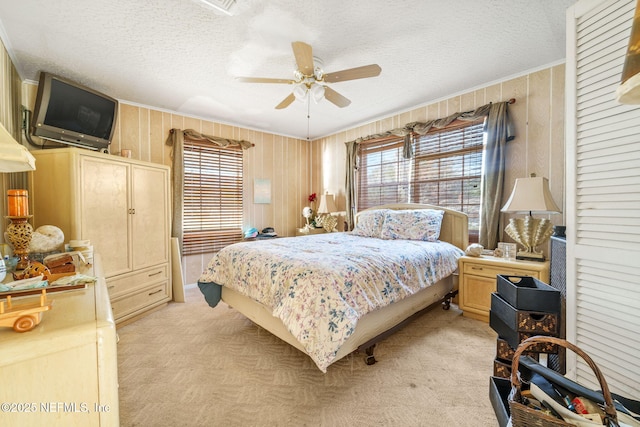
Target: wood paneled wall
{"x": 538, "y": 116}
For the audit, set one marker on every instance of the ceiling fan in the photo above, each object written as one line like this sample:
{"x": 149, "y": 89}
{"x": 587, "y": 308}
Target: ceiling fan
{"x": 309, "y": 78}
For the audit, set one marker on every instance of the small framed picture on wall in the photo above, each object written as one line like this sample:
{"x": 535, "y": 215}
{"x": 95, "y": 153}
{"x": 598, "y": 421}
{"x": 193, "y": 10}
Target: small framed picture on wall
{"x": 262, "y": 191}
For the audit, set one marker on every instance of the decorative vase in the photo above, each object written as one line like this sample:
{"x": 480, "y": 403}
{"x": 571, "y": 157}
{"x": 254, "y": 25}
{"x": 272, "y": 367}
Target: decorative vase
{"x": 19, "y": 233}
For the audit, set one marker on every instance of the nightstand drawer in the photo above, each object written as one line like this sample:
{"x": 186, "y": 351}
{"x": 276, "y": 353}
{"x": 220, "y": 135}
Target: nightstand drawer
{"x": 489, "y": 271}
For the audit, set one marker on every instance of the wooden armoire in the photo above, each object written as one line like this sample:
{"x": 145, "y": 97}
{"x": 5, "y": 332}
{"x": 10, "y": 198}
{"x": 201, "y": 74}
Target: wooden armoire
{"x": 122, "y": 207}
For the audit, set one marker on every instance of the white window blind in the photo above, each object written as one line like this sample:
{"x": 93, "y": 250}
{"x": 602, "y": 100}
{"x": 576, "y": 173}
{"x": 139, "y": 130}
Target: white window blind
{"x": 212, "y": 197}
{"x": 603, "y": 198}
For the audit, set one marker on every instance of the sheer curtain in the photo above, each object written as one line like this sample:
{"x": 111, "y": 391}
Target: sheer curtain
{"x": 499, "y": 130}
{"x": 176, "y": 140}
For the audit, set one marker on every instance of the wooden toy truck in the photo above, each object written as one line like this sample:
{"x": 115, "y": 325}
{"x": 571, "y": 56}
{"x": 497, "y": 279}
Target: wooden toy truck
{"x": 26, "y": 316}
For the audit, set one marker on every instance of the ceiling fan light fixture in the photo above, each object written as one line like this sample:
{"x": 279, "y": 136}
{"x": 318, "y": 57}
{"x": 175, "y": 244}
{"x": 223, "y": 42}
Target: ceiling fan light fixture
{"x": 310, "y": 77}
{"x": 317, "y": 92}
{"x": 225, "y": 6}
{"x": 300, "y": 91}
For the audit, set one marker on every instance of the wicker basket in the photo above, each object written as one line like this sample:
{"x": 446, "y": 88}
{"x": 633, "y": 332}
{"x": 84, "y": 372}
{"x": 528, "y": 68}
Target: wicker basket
{"x": 524, "y": 416}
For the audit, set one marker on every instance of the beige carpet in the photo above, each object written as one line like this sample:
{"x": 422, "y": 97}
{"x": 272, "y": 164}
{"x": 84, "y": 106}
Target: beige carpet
{"x": 191, "y": 365}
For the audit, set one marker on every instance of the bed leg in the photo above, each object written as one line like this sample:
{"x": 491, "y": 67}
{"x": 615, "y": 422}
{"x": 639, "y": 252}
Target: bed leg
{"x": 446, "y": 303}
{"x": 370, "y": 359}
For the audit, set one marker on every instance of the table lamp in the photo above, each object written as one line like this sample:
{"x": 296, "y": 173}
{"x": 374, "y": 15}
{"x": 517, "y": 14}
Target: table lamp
{"x": 327, "y": 205}
{"x": 530, "y": 195}
{"x": 629, "y": 90}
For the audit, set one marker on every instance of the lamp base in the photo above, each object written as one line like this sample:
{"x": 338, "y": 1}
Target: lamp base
{"x": 530, "y": 256}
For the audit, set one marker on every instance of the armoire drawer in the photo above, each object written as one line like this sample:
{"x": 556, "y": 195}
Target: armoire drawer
{"x": 139, "y": 300}
{"x": 127, "y": 283}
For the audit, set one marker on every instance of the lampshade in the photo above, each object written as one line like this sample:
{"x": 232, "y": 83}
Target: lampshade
{"x": 300, "y": 91}
{"x": 629, "y": 90}
{"x": 327, "y": 204}
{"x": 14, "y": 157}
{"x": 531, "y": 195}
{"x": 317, "y": 92}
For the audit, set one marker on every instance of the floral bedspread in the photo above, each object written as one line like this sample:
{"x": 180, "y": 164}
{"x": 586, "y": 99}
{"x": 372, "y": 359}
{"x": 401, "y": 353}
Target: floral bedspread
{"x": 320, "y": 285}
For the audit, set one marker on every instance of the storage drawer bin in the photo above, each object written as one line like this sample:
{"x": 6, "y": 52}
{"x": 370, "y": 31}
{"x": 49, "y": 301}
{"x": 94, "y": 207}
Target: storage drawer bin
{"x": 528, "y": 293}
{"x": 501, "y": 368}
{"x": 499, "y": 389}
{"x": 543, "y": 323}
{"x": 505, "y": 352}
{"x": 514, "y": 337}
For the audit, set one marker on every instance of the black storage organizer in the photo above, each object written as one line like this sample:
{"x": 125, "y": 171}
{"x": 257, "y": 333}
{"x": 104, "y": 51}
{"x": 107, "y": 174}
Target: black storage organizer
{"x": 523, "y": 307}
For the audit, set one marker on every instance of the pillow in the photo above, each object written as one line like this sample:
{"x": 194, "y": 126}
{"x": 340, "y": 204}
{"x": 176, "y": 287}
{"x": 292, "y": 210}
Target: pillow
{"x": 419, "y": 224}
{"x": 369, "y": 223}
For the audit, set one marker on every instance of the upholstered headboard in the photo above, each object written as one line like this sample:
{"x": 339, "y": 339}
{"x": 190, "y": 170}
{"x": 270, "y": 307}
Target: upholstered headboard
{"x": 455, "y": 225}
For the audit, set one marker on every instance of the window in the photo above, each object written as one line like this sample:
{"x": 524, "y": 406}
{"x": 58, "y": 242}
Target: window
{"x": 212, "y": 197}
{"x": 383, "y": 174}
{"x": 446, "y": 170}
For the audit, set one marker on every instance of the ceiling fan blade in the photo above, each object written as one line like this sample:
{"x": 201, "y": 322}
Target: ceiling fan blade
{"x": 263, "y": 80}
{"x": 304, "y": 57}
{"x": 286, "y": 102}
{"x": 353, "y": 73}
{"x": 335, "y": 97}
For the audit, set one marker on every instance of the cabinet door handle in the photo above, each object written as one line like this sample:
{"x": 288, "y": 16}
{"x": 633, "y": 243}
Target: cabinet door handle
{"x": 473, "y": 267}
{"x": 155, "y": 274}
{"x": 155, "y": 292}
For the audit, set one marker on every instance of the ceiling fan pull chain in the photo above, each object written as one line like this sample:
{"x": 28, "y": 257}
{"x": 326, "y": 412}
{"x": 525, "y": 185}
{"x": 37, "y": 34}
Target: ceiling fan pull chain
{"x": 308, "y": 115}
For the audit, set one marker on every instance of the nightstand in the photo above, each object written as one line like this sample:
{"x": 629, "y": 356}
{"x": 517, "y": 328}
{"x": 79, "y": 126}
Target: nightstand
{"x": 309, "y": 231}
{"x": 478, "y": 280}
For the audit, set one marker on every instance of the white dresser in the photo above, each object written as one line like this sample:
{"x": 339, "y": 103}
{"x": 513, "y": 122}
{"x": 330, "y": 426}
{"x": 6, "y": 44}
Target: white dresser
{"x": 64, "y": 372}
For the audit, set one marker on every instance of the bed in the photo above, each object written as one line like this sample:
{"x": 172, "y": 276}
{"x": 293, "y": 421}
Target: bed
{"x": 331, "y": 294}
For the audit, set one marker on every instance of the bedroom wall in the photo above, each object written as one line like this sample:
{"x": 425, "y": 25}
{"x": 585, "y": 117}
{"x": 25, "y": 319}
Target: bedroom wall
{"x": 538, "y": 116}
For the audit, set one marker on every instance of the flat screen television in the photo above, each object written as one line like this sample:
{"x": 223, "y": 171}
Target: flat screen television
{"x": 73, "y": 114}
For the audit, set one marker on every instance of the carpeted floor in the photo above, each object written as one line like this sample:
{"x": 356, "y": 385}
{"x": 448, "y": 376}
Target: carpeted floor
{"x": 191, "y": 365}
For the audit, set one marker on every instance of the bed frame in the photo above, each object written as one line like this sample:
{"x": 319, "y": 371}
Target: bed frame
{"x": 378, "y": 324}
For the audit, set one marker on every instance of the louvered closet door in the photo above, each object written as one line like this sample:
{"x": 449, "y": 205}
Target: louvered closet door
{"x": 603, "y": 198}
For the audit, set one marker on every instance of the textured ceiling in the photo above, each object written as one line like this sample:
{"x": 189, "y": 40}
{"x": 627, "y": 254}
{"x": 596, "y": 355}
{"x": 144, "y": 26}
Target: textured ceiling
{"x": 182, "y": 56}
